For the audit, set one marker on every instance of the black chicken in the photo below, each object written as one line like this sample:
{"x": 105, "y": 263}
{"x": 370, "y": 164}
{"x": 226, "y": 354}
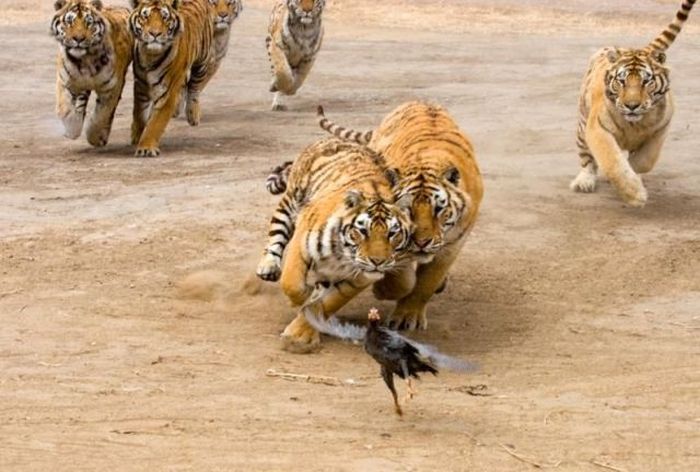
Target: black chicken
{"x": 396, "y": 354}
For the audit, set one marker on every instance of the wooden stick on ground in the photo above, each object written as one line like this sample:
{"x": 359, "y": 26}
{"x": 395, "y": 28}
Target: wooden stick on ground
{"x": 607, "y": 466}
{"x": 317, "y": 379}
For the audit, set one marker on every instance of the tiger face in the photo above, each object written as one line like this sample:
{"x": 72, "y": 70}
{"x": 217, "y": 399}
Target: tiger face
{"x": 155, "y": 23}
{"x": 376, "y": 234}
{"x": 78, "y": 26}
{"x": 224, "y": 12}
{"x": 435, "y": 205}
{"x": 636, "y": 81}
{"x": 305, "y": 11}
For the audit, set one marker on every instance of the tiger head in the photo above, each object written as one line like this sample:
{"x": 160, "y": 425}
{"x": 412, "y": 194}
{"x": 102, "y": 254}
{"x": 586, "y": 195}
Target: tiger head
{"x": 155, "y": 23}
{"x": 305, "y": 12}
{"x": 224, "y": 12}
{"x": 78, "y": 26}
{"x": 435, "y": 204}
{"x": 374, "y": 233}
{"x": 636, "y": 81}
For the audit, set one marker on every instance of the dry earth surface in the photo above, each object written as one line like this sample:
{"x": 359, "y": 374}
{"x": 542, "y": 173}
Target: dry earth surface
{"x": 583, "y": 313}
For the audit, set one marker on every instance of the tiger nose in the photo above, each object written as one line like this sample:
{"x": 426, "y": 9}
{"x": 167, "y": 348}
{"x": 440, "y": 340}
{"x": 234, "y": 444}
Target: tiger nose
{"x": 421, "y": 243}
{"x": 633, "y": 106}
{"x": 79, "y": 39}
{"x": 377, "y": 261}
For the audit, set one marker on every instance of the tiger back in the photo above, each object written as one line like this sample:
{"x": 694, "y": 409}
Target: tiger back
{"x": 173, "y": 49}
{"x": 94, "y": 55}
{"x": 625, "y": 109}
{"x": 335, "y": 225}
{"x": 440, "y": 185}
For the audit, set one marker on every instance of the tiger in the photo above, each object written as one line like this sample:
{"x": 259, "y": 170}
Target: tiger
{"x": 626, "y": 104}
{"x": 173, "y": 49}
{"x": 295, "y": 34}
{"x": 336, "y": 225}
{"x": 222, "y": 14}
{"x": 440, "y": 185}
{"x": 94, "y": 55}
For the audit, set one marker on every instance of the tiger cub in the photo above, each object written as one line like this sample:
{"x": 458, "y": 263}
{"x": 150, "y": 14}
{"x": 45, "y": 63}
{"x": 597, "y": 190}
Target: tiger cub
{"x": 337, "y": 226}
{"x": 294, "y": 38}
{"x": 440, "y": 186}
{"x": 173, "y": 49}
{"x": 94, "y": 55}
{"x": 626, "y": 105}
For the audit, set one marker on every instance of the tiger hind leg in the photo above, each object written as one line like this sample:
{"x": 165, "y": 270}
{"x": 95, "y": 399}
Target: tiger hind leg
{"x": 277, "y": 104}
{"x": 644, "y": 159}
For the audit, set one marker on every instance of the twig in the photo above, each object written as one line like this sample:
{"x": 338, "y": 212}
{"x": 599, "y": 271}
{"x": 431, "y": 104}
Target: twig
{"x": 317, "y": 379}
{"x": 528, "y": 461}
{"x": 607, "y": 466}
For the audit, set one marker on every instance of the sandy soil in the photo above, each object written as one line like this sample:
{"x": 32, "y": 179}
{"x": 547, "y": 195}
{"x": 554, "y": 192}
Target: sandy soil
{"x": 583, "y": 313}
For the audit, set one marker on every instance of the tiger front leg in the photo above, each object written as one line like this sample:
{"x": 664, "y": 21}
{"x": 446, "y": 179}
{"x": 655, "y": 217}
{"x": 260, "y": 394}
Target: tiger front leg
{"x": 100, "y": 124}
{"x": 644, "y": 159}
{"x": 200, "y": 75}
{"x": 70, "y": 107}
{"x": 299, "y": 336}
{"x": 410, "y": 311}
{"x": 396, "y": 284}
{"x": 160, "y": 115}
{"x": 141, "y": 111}
{"x": 282, "y": 77}
{"x": 615, "y": 165}
{"x": 281, "y": 230}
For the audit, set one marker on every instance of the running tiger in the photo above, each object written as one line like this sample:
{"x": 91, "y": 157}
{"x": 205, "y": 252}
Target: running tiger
{"x": 440, "y": 185}
{"x": 95, "y": 53}
{"x": 294, "y": 38}
{"x": 173, "y": 50}
{"x": 339, "y": 228}
{"x": 626, "y": 105}
{"x": 222, "y": 13}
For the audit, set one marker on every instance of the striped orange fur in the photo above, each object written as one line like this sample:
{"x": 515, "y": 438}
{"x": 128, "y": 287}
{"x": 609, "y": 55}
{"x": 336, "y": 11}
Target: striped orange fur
{"x": 440, "y": 185}
{"x": 625, "y": 109}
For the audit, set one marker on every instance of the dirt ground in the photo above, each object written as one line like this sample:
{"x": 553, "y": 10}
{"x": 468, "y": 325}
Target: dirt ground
{"x": 583, "y": 314}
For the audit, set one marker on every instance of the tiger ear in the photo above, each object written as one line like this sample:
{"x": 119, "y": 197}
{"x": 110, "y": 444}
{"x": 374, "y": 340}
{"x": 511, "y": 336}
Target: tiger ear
{"x": 613, "y": 54}
{"x": 175, "y": 4}
{"x": 353, "y": 198}
{"x": 451, "y": 175}
{"x": 58, "y": 4}
{"x": 134, "y": 3}
{"x": 393, "y": 176}
{"x": 97, "y": 4}
{"x": 659, "y": 56}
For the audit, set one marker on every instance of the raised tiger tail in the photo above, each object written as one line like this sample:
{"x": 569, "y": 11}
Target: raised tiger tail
{"x": 276, "y": 182}
{"x": 667, "y": 36}
{"x": 346, "y": 134}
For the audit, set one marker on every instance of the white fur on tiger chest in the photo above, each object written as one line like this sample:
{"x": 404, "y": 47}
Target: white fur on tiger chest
{"x": 301, "y": 44}
{"x": 91, "y": 73}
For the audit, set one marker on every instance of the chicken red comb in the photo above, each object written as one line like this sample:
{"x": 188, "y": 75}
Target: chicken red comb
{"x": 373, "y": 314}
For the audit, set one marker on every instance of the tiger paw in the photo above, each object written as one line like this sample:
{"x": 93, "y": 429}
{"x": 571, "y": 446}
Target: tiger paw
{"x": 300, "y": 337}
{"x": 584, "y": 182}
{"x": 279, "y": 107}
{"x": 408, "y": 318}
{"x": 269, "y": 268}
{"x": 73, "y": 126}
{"x": 147, "y": 152}
{"x": 97, "y": 137}
{"x": 194, "y": 113}
{"x": 632, "y": 191}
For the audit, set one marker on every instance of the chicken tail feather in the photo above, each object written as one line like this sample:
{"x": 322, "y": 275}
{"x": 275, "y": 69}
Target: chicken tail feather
{"x": 334, "y": 327}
